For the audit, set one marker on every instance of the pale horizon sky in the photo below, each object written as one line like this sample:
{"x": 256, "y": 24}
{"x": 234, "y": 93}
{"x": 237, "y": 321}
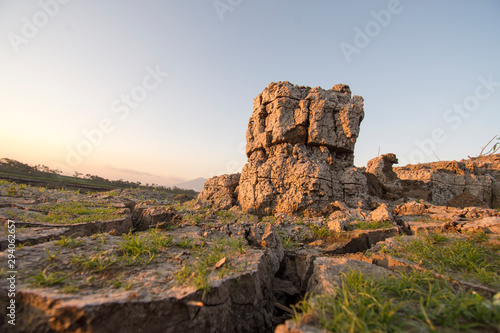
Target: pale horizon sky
{"x": 170, "y": 84}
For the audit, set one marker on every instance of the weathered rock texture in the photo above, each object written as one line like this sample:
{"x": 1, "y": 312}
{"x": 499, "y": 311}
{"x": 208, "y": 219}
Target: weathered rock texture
{"x": 241, "y": 300}
{"x": 221, "y": 191}
{"x": 454, "y": 183}
{"x": 145, "y": 215}
{"x": 300, "y": 145}
{"x": 381, "y": 167}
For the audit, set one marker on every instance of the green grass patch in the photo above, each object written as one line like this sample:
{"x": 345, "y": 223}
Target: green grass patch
{"x": 70, "y": 242}
{"x": 96, "y": 263}
{"x": 324, "y": 232}
{"x": 118, "y": 283}
{"x": 371, "y": 225}
{"x": 197, "y": 273}
{"x": 225, "y": 215}
{"x": 46, "y": 279}
{"x": 77, "y": 212}
{"x": 143, "y": 248}
{"x": 50, "y": 256}
{"x": 412, "y": 302}
{"x": 321, "y": 232}
{"x": 469, "y": 257}
{"x": 193, "y": 218}
{"x": 288, "y": 242}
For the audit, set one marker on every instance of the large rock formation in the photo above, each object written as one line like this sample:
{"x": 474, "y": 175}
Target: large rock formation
{"x": 300, "y": 149}
{"x": 300, "y": 145}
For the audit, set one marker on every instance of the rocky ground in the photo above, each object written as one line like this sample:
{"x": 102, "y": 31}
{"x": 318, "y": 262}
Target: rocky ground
{"x": 300, "y": 241}
{"x": 138, "y": 261}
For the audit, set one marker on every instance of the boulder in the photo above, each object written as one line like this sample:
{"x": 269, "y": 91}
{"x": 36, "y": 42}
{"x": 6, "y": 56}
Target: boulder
{"x": 381, "y": 167}
{"x": 221, "y": 191}
{"x": 300, "y": 149}
{"x": 478, "y": 213}
{"x": 410, "y": 208}
{"x": 266, "y": 237}
{"x": 135, "y": 296}
{"x": 382, "y": 213}
{"x": 145, "y": 215}
{"x": 337, "y": 225}
{"x": 328, "y": 272}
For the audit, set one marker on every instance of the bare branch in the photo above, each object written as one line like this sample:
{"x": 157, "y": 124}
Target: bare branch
{"x": 492, "y": 151}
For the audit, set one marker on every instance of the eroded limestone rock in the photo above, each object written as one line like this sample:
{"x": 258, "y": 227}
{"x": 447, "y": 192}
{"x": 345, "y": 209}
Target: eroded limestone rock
{"x": 489, "y": 225}
{"x": 145, "y": 215}
{"x": 410, "y": 208}
{"x": 145, "y": 293}
{"x": 381, "y": 167}
{"x": 300, "y": 145}
{"x": 221, "y": 191}
{"x": 382, "y": 213}
{"x": 445, "y": 182}
{"x": 327, "y": 277}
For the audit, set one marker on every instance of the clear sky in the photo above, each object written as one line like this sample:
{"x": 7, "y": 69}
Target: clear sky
{"x": 161, "y": 91}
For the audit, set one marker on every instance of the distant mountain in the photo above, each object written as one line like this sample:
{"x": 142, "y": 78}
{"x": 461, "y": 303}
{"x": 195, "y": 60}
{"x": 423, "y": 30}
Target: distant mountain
{"x": 195, "y": 184}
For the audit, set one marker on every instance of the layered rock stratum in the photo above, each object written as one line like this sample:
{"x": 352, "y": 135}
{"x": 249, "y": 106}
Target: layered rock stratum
{"x": 474, "y": 181}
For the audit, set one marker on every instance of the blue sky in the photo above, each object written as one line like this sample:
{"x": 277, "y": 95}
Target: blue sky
{"x": 428, "y": 71}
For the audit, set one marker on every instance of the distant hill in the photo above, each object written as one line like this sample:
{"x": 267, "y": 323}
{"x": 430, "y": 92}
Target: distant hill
{"x": 41, "y": 175}
{"x": 195, "y": 184}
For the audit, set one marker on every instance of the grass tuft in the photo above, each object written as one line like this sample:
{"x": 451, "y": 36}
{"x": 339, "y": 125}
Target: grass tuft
{"x": 321, "y": 232}
{"x": 288, "y": 242}
{"x": 471, "y": 258}
{"x": 372, "y": 225}
{"x": 412, "y": 302}
{"x": 70, "y": 242}
{"x": 96, "y": 263}
{"x": 144, "y": 248}
{"x": 77, "y": 212}
{"x": 197, "y": 273}
{"x": 45, "y": 279}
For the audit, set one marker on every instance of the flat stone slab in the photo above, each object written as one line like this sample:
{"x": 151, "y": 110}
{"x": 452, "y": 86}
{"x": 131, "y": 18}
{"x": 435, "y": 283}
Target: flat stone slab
{"x": 120, "y": 226}
{"x": 418, "y": 226}
{"x": 490, "y": 225}
{"x": 32, "y": 236}
{"x": 102, "y": 290}
{"x": 327, "y": 275}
